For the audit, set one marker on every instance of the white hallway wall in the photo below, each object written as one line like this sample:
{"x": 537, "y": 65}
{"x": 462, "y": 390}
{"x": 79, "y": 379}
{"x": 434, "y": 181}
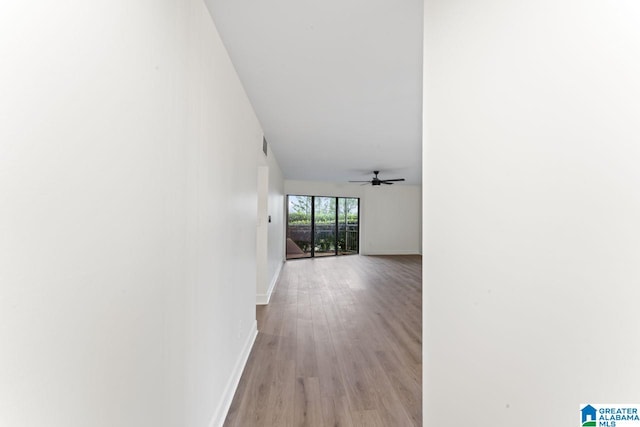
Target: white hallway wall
{"x": 391, "y": 216}
{"x": 393, "y": 220}
{"x": 270, "y": 228}
{"x": 128, "y": 168}
{"x": 275, "y": 209}
{"x": 532, "y": 238}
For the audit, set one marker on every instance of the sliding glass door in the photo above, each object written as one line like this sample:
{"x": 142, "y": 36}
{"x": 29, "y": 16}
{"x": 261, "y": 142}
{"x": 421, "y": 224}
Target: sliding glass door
{"x": 322, "y": 226}
{"x": 299, "y": 221}
{"x": 348, "y": 226}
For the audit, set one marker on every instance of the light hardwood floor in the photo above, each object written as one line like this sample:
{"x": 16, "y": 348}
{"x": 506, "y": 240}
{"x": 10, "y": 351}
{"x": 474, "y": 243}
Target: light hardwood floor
{"x": 340, "y": 344}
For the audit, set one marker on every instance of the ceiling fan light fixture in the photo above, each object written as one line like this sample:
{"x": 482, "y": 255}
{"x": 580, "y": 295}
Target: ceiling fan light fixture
{"x": 377, "y": 181}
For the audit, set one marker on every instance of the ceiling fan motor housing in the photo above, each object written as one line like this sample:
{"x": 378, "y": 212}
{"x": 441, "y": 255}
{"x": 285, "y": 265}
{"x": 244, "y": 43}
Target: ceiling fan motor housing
{"x": 378, "y": 181}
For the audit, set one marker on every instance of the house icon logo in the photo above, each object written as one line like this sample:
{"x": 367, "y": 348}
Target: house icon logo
{"x": 588, "y": 416}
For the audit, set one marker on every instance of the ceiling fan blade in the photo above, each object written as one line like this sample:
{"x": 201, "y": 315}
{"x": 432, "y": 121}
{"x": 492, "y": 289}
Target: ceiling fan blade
{"x": 378, "y": 181}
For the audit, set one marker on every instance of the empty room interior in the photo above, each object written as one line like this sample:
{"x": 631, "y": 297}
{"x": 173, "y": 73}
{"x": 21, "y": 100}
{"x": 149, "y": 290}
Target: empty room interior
{"x": 340, "y": 213}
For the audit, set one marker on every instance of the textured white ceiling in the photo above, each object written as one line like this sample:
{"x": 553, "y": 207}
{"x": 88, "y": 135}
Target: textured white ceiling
{"x": 336, "y": 84}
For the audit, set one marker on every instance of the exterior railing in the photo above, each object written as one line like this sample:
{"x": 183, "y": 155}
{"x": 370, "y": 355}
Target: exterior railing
{"x": 347, "y": 239}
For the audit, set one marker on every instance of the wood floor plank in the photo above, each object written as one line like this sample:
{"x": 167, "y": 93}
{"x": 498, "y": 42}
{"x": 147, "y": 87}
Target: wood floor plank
{"x": 308, "y": 403}
{"x": 358, "y": 378}
{"x": 368, "y": 418}
{"x": 281, "y": 398}
{"x": 329, "y": 374}
{"x": 406, "y": 386}
{"x": 306, "y": 360}
{"x": 335, "y": 412}
{"x": 339, "y": 345}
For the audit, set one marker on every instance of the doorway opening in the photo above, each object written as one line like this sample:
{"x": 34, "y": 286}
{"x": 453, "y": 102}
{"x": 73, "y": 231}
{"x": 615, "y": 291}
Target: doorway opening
{"x": 322, "y": 226}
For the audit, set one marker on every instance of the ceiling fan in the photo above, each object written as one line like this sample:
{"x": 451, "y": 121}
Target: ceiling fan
{"x": 377, "y": 181}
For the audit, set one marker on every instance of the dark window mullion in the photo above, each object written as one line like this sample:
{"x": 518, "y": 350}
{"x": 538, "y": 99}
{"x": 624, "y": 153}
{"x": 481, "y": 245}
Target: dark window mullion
{"x": 358, "y": 251}
{"x": 335, "y": 238}
{"x": 313, "y": 226}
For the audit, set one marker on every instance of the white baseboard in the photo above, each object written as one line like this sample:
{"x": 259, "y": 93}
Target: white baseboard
{"x": 230, "y": 390}
{"x": 263, "y": 299}
{"x": 394, "y": 252}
